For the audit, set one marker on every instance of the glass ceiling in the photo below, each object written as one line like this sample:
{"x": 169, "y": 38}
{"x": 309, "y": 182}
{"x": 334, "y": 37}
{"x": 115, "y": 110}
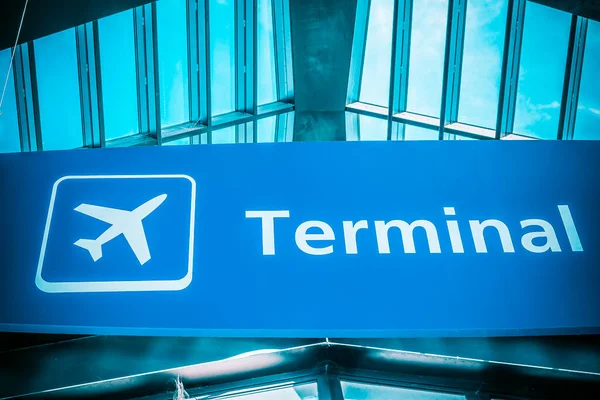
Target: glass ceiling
{"x": 171, "y": 72}
{"x": 168, "y": 73}
{"x": 479, "y": 69}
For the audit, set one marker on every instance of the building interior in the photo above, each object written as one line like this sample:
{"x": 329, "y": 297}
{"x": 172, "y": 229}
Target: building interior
{"x": 88, "y": 75}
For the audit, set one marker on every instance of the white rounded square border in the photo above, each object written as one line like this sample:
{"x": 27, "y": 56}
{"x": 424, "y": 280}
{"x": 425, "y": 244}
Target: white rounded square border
{"x": 116, "y": 286}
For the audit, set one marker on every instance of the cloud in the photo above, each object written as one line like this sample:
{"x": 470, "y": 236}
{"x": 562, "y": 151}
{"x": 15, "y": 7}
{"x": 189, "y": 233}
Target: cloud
{"x": 554, "y": 104}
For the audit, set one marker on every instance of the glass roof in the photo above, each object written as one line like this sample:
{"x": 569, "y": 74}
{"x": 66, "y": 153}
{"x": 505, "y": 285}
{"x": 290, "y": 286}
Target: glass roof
{"x": 510, "y": 68}
{"x": 162, "y": 73}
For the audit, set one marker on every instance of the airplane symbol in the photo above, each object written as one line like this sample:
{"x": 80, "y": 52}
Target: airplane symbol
{"x": 128, "y": 223}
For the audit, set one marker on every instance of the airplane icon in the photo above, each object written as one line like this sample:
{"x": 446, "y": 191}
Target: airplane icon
{"x": 128, "y": 223}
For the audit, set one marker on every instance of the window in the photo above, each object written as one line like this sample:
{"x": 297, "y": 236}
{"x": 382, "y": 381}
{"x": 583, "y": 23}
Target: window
{"x": 266, "y": 130}
{"x": 173, "y": 62}
{"x": 307, "y": 391}
{"x": 427, "y": 49}
{"x": 371, "y": 128}
{"x": 482, "y": 62}
{"x": 587, "y": 122}
{"x": 412, "y": 132}
{"x": 57, "y": 77}
{"x": 9, "y": 123}
{"x": 375, "y": 82}
{"x": 177, "y": 142}
{"x": 225, "y": 135}
{"x": 363, "y": 391}
{"x": 222, "y": 60}
{"x": 267, "y": 76}
{"x": 118, "y": 73}
{"x": 542, "y": 71}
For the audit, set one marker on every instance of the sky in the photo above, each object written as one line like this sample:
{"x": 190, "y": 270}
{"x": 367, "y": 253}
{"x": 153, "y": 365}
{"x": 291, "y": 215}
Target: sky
{"x": 541, "y": 69}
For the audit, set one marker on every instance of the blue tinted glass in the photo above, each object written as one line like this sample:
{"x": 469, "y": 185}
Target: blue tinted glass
{"x": 375, "y": 84}
{"x": 363, "y": 391}
{"x": 482, "y": 62}
{"x": 225, "y": 135}
{"x": 267, "y": 87}
{"x": 178, "y": 142}
{"x": 371, "y": 128}
{"x": 9, "y": 125}
{"x": 427, "y": 48}
{"x": 222, "y": 61}
{"x": 117, "y": 66}
{"x": 542, "y": 71}
{"x": 412, "y": 132}
{"x": 173, "y": 61}
{"x": 266, "y": 130}
{"x": 587, "y": 123}
{"x": 58, "y": 78}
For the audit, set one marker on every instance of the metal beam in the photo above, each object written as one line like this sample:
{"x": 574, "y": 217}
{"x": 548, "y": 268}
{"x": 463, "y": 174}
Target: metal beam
{"x": 455, "y": 34}
{"x": 88, "y": 85}
{"x": 573, "y": 68}
{"x": 509, "y": 76}
{"x": 359, "y": 42}
{"x": 24, "y": 96}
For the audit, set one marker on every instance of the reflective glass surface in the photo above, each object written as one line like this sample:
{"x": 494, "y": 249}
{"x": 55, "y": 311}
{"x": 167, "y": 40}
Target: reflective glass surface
{"x": 482, "y": 62}
{"x": 266, "y": 130}
{"x": 298, "y": 392}
{"x": 412, "y": 132}
{"x": 267, "y": 88}
{"x": 363, "y": 391}
{"x": 222, "y": 61}
{"x": 587, "y": 122}
{"x": 426, "y": 68}
{"x": 57, "y": 77}
{"x": 119, "y": 82}
{"x": 375, "y": 83}
{"x": 173, "y": 61}
{"x": 9, "y": 123}
{"x": 178, "y": 142}
{"x": 542, "y": 71}
{"x": 225, "y": 135}
{"x": 371, "y": 128}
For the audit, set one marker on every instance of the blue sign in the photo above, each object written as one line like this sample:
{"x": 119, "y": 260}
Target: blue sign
{"x": 390, "y": 239}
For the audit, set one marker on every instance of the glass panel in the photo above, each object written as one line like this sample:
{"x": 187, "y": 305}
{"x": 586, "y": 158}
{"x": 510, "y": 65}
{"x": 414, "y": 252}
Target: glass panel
{"x": 298, "y": 392}
{"x": 482, "y": 62}
{"x": 412, "y": 132}
{"x": 375, "y": 83}
{"x": 363, "y": 391}
{"x": 119, "y": 82}
{"x": 58, "y": 77}
{"x": 267, "y": 79}
{"x": 371, "y": 128}
{"x": 542, "y": 71}
{"x": 351, "y": 126}
{"x": 226, "y": 135}
{"x": 222, "y": 61}
{"x": 9, "y": 123}
{"x": 266, "y": 130}
{"x": 426, "y": 67}
{"x": 450, "y": 136}
{"x": 587, "y": 123}
{"x": 178, "y": 142}
{"x": 173, "y": 62}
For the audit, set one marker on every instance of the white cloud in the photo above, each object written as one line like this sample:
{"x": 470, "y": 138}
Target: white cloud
{"x": 554, "y": 104}
{"x": 594, "y": 111}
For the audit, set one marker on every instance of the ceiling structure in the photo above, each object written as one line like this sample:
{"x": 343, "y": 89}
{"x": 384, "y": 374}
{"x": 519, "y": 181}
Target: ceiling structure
{"x": 322, "y": 37}
{"x": 132, "y": 367}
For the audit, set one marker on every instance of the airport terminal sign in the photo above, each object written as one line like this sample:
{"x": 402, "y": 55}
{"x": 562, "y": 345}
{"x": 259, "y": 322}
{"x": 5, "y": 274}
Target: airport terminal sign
{"x": 390, "y": 239}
